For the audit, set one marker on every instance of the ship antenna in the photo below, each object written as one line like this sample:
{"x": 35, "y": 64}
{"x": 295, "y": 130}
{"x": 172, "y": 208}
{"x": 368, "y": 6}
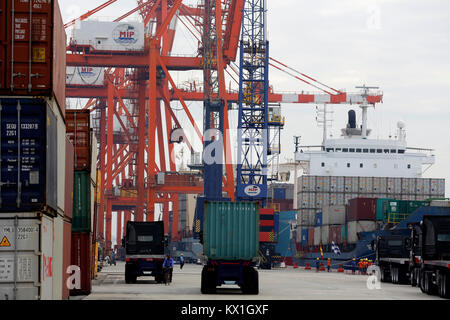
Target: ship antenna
{"x": 364, "y": 107}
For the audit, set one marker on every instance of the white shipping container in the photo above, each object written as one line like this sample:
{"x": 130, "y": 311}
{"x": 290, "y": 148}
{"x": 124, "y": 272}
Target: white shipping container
{"x": 58, "y": 254}
{"x": 326, "y": 184}
{"x": 85, "y": 76}
{"x": 390, "y": 186}
{"x": 355, "y": 184}
{"x": 426, "y": 186}
{"x": 340, "y": 199}
{"x": 325, "y": 234}
{"x": 333, "y": 184}
{"x": 353, "y": 227}
{"x": 440, "y": 203}
{"x": 320, "y": 183}
{"x": 312, "y": 200}
{"x": 398, "y": 185}
{"x": 348, "y": 184}
{"x": 419, "y": 186}
{"x": 317, "y": 236}
{"x": 333, "y": 215}
{"x": 114, "y": 36}
{"x": 333, "y": 199}
{"x": 312, "y": 183}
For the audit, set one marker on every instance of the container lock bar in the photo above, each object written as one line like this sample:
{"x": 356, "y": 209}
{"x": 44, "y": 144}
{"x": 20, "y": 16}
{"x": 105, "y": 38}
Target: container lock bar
{"x": 19, "y": 184}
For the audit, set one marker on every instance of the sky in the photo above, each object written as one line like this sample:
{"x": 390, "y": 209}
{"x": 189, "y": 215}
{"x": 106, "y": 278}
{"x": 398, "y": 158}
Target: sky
{"x": 402, "y": 46}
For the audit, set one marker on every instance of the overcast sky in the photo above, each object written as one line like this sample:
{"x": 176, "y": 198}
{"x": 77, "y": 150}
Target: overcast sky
{"x": 402, "y": 46}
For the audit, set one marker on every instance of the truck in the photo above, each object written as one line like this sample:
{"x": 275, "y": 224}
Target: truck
{"x": 145, "y": 248}
{"x": 230, "y": 238}
{"x": 393, "y": 255}
{"x": 430, "y": 255}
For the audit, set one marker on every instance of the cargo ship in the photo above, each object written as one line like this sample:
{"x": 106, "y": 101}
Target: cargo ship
{"x": 354, "y": 187}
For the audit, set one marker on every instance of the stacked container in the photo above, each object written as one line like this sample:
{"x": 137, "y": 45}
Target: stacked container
{"x": 83, "y": 205}
{"x": 32, "y": 150}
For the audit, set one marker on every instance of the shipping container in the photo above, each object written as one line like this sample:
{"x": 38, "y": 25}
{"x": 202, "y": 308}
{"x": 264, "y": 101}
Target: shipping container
{"x": 81, "y": 257}
{"x": 30, "y": 236}
{"x": 333, "y": 215}
{"x": 382, "y": 204}
{"x": 325, "y": 234}
{"x": 361, "y": 209}
{"x": 311, "y": 236}
{"x": 67, "y": 229}
{"x": 35, "y": 152}
{"x": 440, "y": 203}
{"x": 317, "y": 236}
{"x": 78, "y": 132}
{"x": 58, "y": 257}
{"x": 86, "y": 75}
{"x": 344, "y": 233}
{"x": 231, "y": 230}
{"x": 354, "y": 227}
{"x": 81, "y": 216}
{"x": 279, "y": 193}
{"x": 335, "y": 234}
{"x": 94, "y": 155}
{"x": 68, "y": 204}
{"x": 36, "y": 52}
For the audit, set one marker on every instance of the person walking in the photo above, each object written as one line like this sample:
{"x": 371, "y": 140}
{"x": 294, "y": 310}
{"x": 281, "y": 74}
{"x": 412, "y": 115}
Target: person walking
{"x": 317, "y": 264}
{"x": 353, "y": 266}
{"x": 329, "y": 264}
{"x": 168, "y": 268}
{"x": 181, "y": 261}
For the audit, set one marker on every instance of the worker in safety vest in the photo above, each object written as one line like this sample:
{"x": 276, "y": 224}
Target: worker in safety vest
{"x": 329, "y": 264}
{"x": 360, "y": 266}
{"x": 353, "y": 266}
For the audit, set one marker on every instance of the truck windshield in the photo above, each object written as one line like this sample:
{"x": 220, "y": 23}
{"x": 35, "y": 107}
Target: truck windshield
{"x": 394, "y": 243}
{"x": 145, "y": 238}
{"x": 443, "y": 237}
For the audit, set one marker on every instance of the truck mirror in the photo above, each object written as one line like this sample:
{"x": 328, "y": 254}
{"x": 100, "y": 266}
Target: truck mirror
{"x": 408, "y": 244}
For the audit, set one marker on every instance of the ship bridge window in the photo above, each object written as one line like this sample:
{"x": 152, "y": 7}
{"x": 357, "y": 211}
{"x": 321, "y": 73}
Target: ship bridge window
{"x": 348, "y": 165}
{"x": 401, "y": 151}
{"x": 365, "y": 150}
{"x": 351, "y": 150}
{"x": 386, "y": 150}
{"x": 379, "y": 150}
{"x": 393, "y": 151}
{"x": 358, "y": 150}
{"x": 338, "y": 149}
{"x": 372, "y": 150}
{"x": 361, "y": 165}
{"x": 323, "y": 164}
{"x": 345, "y": 150}
{"x": 409, "y": 166}
{"x": 330, "y": 149}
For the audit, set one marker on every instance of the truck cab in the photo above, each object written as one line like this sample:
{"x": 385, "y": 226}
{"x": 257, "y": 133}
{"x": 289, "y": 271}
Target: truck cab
{"x": 145, "y": 247}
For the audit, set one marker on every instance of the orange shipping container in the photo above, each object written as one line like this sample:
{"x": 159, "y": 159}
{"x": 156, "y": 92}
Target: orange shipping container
{"x": 77, "y": 129}
{"x": 33, "y": 50}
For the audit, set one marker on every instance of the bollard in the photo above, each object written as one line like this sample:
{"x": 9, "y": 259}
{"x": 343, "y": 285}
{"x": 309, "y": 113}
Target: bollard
{"x": 341, "y": 268}
{"x": 322, "y": 267}
{"x": 295, "y": 265}
{"x": 307, "y": 267}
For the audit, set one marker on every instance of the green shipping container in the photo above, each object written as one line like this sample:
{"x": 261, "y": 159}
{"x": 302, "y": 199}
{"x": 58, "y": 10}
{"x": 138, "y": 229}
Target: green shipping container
{"x": 382, "y": 205}
{"x": 81, "y": 219}
{"x": 231, "y": 230}
{"x": 414, "y": 205}
{"x": 344, "y": 233}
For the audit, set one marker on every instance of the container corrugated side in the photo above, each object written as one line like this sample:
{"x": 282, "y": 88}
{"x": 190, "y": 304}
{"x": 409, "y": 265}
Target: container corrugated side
{"x": 81, "y": 256}
{"x": 333, "y": 215}
{"x": 78, "y": 132}
{"x": 68, "y": 204}
{"x": 37, "y": 61}
{"x": 81, "y": 216}
{"x": 231, "y": 230}
{"x": 317, "y": 236}
{"x": 58, "y": 257}
{"x": 325, "y": 234}
{"x": 67, "y": 229}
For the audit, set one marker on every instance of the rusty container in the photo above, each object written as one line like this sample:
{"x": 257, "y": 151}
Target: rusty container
{"x": 81, "y": 256}
{"x": 68, "y": 203}
{"x": 33, "y": 54}
{"x": 66, "y": 258}
{"x": 77, "y": 128}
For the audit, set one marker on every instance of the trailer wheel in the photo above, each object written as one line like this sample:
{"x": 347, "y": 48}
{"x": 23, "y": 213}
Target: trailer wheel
{"x": 208, "y": 282}
{"x": 443, "y": 285}
{"x": 414, "y": 277}
{"x": 251, "y": 281}
{"x": 394, "y": 275}
{"x": 430, "y": 288}
{"x": 383, "y": 277}
{"x": 422, "y": 286}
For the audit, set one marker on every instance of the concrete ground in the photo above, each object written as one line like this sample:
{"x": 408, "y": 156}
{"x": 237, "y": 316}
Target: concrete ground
{"x": 295, "y": 284}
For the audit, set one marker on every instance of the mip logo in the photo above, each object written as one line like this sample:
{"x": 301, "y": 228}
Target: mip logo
{"x": 87, "y": 72}
{"x": 125, "y": 34}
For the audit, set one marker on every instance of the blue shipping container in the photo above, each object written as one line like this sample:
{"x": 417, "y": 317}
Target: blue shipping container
{"x": 279, "y": 193}
{"x": 28, "y": 155}
{"x": 283, "y": 245}
{"x": 288, "y": 215}
{"x": 319, "y": 219}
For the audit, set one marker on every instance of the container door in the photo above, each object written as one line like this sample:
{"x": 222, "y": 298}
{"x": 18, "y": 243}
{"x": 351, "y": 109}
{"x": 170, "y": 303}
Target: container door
{"x": 23, "y": 154}
{"x": 47, "y": 259}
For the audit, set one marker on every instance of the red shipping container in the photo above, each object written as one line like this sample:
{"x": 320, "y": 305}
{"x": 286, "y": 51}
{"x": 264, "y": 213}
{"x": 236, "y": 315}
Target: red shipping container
{"x": 68, "y": 201}
{"x": 81, "y": 256}
{"x": 310, "y": 236}
{"x": 362, "y": 209}
{"x": 66, "y": 258}
{"x": 36, "y": 53}
{"x": 335, "y": 234}
{"x": 77, "y": 129}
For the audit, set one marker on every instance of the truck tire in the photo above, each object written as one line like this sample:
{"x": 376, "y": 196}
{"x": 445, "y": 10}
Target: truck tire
{"x": 414, "y": 277}
{"x": 251, "y": 281}
{"x": 402, "y": 276}
{"x": 394, "y": 275}
{"x": 208, "y": 282}
{"x": 383, "y": 276}
{"x": 430, "y": 288}
{"x": 422, "y": 281}
{"x": 443, "y": 285}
